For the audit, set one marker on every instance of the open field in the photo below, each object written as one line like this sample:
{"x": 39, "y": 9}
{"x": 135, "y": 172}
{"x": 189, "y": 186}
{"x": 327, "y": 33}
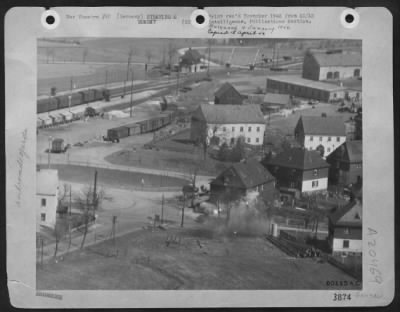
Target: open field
{"x": 202, "y": 260}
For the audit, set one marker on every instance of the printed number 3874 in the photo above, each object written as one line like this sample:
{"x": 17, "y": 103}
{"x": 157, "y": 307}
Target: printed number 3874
{"x": 341, "y": 297}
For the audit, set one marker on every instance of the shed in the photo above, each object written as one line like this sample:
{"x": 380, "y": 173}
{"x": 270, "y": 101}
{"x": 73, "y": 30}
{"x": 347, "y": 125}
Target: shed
{"x": 227, "y": 94}
{"x": 274, "y": 99}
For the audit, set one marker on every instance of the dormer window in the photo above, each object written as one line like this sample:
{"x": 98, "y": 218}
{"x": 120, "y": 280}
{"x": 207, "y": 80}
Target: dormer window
{"x": 315, "y": 172}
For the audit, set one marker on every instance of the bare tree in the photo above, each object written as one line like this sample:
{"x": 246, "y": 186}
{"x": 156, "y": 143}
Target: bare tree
{"x": 88, "y": 202}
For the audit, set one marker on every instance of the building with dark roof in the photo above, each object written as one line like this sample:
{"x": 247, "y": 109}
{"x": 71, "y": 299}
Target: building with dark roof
{"x": 331, "y": 66}
{"x": 227, "y": 94}
{"x": 345, "y": 229}
{"x": 324, "y": 134}
{"x": 240, "y": 179}
{"x": 227, "y": 123}
{"x": 346, "y": 164}
{"x": 299, "y": 170}
{"x": 306, "y": 88}
{"x": 276, "y": 101}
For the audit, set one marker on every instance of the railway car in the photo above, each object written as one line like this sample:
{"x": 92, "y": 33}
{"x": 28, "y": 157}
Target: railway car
{"x": 43, "y": 105}
{"x": 62, "y": 101}
{"x": 53, "y": 104}
{"x": 117, "y": 133}
{"x": 134, "y": 129}
{"x": 77, "y": 99}
{"x": 98, "y": 94}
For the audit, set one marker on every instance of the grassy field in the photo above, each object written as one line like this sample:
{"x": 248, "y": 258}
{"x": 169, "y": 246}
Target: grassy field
{"x": 114, "y": 178}
{"x": 202, "y": 260}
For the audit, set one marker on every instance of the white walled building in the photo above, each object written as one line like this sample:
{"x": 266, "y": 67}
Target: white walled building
{"x": 320, "y": 133}
{"x": 227, "y": 123}
{"x": 46, "y": 198}
{"x": 345, "y": 230}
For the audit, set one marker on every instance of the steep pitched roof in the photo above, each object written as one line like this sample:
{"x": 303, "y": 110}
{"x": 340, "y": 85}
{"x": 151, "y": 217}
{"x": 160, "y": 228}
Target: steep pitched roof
{"x": 299, "y": 158}
{"x": 225, "y": 88}
{"x": 276, "y": 98}
{"x": 249, "y": 174}
{"x": 350, "y": 214}
{"x": 47, "y": 182}
{"x": 318, "y": 125}
{"x": 338, "y": 59}
{"x": 354, "y": 151}
{"x": 232, "y": 114}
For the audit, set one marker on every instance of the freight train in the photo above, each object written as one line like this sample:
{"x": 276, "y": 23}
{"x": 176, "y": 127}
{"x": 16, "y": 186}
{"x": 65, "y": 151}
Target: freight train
{"x": 139, "y": 127}
{"x": 52, "y": 103}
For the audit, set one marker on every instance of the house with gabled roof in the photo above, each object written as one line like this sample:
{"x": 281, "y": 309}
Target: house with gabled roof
{"x": 345, "y": 229}
{"x": 325, "y": 65}
{"x": 298, "y": 170}
{"x": 227, "y": 123}
{"x": 191, "y": 61}
{"x": 320, "y": 133}
{"x": 227, "y": 94}
{"x": 346, "y": 163}
{"x": 240, "y": 179}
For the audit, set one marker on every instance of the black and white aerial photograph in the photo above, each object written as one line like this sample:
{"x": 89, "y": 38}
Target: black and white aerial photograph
{"x": 199, "y": 164}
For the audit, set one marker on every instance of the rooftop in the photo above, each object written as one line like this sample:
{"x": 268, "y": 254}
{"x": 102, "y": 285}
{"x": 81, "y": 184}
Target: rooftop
{"x": 338, "y": 59}
{"x": 277, "y": 98}
{"x": 319, "y": 125}
{"x": 231, "y": 114}
{"x": 299, "y": 81}
{"x": 47, "y": 182}
{"x": 225, "y": 88}
{"x": 299, "y": 158}
{"x": 350, "y": 214}
{"x": 250, "y": 174}
{"x": 354, "y": 150}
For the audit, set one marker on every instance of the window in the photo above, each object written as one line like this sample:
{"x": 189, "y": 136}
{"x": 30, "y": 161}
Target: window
{"x": 315, "y": 172}
{"x": 328, "y": 149}
{"x": 320, "y": 139}
{"x": 224, "y": 129}
{"x": 346, "y": 243}
{"x": 314, "y": 183}
{"x": 346, "y": 231}
{"x": 249, "y": 129}
{"x": 329, "y": 139}
{"x": 241, "y": 129}
{"x": 233, "y": 129}
{"x": 337, "y": 139}
{"x": 43, "y": 202}
{"x": 329, "y": 75}
{"x": 311, "y": 138}
{"x": 258, "y": 129}
{"x": 334, "y": 95}
{"x": 248, "y": 140}
{"x": 43, "y": 217}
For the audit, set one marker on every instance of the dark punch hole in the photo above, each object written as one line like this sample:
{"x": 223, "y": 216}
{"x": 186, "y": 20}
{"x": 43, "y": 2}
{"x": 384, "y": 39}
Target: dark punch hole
{"x": 50, "y": 19}
{"x": 200, "y": 19}
{"x": 349, "y": 18}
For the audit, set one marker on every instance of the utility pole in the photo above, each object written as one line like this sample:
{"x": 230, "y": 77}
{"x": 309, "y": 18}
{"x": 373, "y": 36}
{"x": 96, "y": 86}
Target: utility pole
{"x": 183, "y": 209}
{"x": 162, "y": 208}
{"x": 209, "y": 54}
{"x": 127, "y": 69}
{"x": 114, "y": 221}
{"x": 69, "y": 216}
{"x": 95, "y": 191}
{"x": 177, "y": 80}
{"x": 131, "y": 104}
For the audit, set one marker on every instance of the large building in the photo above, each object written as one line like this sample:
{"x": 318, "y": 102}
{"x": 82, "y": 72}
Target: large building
{"x": 240, "y": 179}
{"x": 227, "y": 94}
{"x": 46, "y": 198}
{"x": 298, "y": 170}
{"x": 346, "y": 163}
{"x": 219, "y": 124}
{"x": 309, "y": 89}
{"x": 345, "y": 230}
{"x": 326, "y": 65}
{"x": 324, "y": 134}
